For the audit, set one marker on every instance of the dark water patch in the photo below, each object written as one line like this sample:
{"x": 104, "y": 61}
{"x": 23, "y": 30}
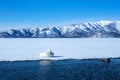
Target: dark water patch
{"x": 73, "y": 69}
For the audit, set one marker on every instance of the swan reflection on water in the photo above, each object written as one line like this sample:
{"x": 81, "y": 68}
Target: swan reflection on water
{"x": 46, "y": 62}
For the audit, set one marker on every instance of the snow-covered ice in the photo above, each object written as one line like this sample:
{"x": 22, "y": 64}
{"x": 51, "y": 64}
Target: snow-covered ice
{"x": 12, "y": 49}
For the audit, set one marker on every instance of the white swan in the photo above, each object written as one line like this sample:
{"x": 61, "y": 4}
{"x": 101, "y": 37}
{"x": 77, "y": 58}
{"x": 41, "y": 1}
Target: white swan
{"x": 48, "y": 53}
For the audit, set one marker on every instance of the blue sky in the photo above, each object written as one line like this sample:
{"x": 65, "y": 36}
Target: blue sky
{"x": 37, "y": 13}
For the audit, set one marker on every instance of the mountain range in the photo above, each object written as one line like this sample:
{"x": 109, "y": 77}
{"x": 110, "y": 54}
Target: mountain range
{"x": 98, "y": 29}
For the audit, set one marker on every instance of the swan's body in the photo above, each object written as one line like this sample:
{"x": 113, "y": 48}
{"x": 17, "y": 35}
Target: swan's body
{"x": 48, "y": 53}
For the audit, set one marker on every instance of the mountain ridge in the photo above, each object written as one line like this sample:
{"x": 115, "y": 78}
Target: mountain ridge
{"x": 98, "y": 29}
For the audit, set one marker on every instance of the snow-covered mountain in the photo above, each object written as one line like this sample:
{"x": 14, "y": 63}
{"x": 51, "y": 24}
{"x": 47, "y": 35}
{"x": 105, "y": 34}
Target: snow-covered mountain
{"x": 100, "y": 29}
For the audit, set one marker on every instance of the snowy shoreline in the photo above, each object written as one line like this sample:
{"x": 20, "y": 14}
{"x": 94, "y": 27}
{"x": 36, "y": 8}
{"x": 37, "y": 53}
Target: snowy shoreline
{"x": 101, "y": 59}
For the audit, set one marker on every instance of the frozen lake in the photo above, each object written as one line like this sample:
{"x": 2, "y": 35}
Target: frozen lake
{"x": 77, "y": 48}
